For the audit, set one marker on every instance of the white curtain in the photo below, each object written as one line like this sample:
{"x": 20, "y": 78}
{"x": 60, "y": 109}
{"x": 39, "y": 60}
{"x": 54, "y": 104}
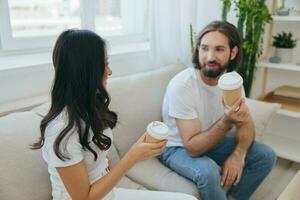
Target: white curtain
{"x": 170, "y": 27}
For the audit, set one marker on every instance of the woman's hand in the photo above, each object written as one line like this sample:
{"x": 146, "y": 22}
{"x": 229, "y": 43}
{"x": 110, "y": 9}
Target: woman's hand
{"x": 143, "y": 151}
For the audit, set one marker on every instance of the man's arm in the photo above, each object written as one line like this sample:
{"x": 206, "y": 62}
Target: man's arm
{"x": 233, "y": 166}
{"x": 198, "y": 142}
{"x": 244, "y": 136}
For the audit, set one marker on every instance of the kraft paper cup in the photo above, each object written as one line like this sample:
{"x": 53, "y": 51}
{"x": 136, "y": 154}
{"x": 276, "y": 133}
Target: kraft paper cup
{"x": 156, "y": 132}
{"x": 231, "y": 83}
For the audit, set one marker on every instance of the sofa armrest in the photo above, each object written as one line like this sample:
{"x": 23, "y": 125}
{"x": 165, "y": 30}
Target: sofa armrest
{"x": 155, "y": 176}
{"x": 262, "y": 113}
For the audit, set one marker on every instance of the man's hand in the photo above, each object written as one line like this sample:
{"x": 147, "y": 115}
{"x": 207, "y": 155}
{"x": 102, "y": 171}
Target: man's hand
{"x": 237, "y": 113}
{"x": 232, "y": 169}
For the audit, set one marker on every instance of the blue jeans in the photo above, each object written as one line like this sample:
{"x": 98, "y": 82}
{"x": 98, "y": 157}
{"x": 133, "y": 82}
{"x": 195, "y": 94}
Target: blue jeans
{"x": 204, "y": 171}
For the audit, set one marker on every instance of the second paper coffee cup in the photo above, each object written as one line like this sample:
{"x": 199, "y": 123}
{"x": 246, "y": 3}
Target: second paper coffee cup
{"x": 156, "y": 131}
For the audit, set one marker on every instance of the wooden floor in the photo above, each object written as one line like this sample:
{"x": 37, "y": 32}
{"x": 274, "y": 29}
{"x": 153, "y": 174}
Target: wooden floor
{"x": 277, "y": 180}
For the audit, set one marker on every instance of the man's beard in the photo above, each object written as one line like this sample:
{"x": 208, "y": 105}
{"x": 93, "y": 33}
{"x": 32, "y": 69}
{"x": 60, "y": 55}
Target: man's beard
{"x": 214, "y": 73}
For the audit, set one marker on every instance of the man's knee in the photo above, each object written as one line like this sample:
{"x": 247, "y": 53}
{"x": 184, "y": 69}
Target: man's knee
{"x": 208, "y": 175}
{"x": 270, "y": 156}
{"x": 266, "y": 155}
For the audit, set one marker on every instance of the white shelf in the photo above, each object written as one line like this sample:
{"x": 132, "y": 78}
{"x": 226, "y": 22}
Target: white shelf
{"x": 282, "y": 133}
{"x": 281, "y": 66}
{"x": 289, "y": 113}
{"x": 295, "y": 18}
{"x": 284, "y": 147}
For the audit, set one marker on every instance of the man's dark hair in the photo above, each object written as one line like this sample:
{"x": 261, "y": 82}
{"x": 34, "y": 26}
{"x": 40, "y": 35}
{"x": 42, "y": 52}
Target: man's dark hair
{"x": 231, "y": 32}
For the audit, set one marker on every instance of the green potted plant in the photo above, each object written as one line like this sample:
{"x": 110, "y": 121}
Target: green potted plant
{"x": 252, "y": 18}
{"x": 284, "y": 44}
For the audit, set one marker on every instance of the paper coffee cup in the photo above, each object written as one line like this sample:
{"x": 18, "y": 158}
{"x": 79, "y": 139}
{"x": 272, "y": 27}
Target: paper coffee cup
{"x": 231, "y": 83}
{"x": 156, "y": 131}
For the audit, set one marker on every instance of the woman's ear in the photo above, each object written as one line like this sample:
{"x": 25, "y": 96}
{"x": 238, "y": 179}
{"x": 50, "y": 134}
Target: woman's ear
{"x": 234, "y": 52}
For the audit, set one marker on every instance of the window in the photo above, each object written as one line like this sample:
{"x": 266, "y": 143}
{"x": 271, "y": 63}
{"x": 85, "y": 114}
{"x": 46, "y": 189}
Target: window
{"x": 36, "y": 19}
{"x": 29, "y": 24}
{"x": 108, "y": 19}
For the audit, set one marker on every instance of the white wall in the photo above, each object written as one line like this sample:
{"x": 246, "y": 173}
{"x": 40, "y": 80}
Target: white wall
{"x": 208, "y": 11}
{"x": 22, "y": 86}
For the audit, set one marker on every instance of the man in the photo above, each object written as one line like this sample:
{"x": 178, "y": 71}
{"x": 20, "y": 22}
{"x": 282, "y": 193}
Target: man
{"x": 199, "y": 123}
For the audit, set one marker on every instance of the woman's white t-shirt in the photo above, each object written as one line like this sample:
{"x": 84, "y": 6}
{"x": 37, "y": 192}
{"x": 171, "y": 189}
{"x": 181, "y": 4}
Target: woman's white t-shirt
{"x": 72, "y": 148}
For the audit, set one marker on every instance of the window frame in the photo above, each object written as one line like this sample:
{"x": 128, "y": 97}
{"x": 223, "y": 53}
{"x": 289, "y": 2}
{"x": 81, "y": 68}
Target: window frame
{"x": 137, "y": 32}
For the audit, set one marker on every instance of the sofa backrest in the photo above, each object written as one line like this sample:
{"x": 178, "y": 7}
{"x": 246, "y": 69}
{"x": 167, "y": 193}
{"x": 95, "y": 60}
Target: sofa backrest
{"x": 137, "y": 99}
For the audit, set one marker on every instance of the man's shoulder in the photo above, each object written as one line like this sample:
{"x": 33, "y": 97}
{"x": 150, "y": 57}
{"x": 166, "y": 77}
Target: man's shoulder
{"x": 184, "y": 83}
{"x": 185, "y": 77}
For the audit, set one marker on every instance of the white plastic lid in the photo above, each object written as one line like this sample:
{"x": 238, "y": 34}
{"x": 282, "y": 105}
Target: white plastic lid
{"x": 158, "y": 130}
{"x": 230, "y": 81}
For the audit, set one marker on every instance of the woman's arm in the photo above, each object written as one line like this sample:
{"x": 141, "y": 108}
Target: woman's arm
{"x": 76, "y": 180}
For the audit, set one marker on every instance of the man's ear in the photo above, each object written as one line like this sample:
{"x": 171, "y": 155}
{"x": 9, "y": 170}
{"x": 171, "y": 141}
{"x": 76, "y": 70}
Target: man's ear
{"x": 234, "y": 52}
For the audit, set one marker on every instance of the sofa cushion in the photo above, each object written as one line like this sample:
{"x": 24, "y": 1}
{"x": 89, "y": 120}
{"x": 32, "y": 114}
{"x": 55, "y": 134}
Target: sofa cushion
{"x": 262, "y": 113}
{"x": 23, "y": 172}
{"x": 155, "y": 176}
{"x": 137, "y": 99}
{"x": 126, "y": 182}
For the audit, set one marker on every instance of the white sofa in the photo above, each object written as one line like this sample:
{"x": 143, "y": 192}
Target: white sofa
{"x": 137, "y": 99}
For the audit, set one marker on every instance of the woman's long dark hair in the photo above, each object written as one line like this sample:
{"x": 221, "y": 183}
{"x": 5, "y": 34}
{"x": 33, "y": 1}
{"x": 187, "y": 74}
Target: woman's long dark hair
{"x": 79, "y": 62}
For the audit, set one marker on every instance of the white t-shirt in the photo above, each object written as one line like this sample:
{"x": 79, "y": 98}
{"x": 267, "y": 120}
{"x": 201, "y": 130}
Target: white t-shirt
{"x": 96, "y": 169}
{"x": 188, "y": 97}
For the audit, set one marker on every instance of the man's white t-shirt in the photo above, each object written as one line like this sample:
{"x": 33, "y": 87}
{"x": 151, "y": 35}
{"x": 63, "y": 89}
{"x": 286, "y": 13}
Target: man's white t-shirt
{"x": 73, "y": 149}
{"x": 188, "y": 97}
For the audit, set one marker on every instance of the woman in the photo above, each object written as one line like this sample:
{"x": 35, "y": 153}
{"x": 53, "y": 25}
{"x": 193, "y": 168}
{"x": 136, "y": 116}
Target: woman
{"x": 76, "y": 133}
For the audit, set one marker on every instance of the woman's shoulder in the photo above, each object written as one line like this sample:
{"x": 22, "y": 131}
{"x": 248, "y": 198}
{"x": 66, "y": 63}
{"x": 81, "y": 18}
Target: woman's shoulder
{"x": 54, "y": 129}
{"x": 61, "y": 121}
{"x": 56, "y": 125}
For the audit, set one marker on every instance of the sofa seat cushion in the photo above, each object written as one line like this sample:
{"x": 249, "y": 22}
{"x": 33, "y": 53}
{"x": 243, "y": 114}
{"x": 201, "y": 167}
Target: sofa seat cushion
{"x": 126, "y": 182}
{"x": 155, "y": 176}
